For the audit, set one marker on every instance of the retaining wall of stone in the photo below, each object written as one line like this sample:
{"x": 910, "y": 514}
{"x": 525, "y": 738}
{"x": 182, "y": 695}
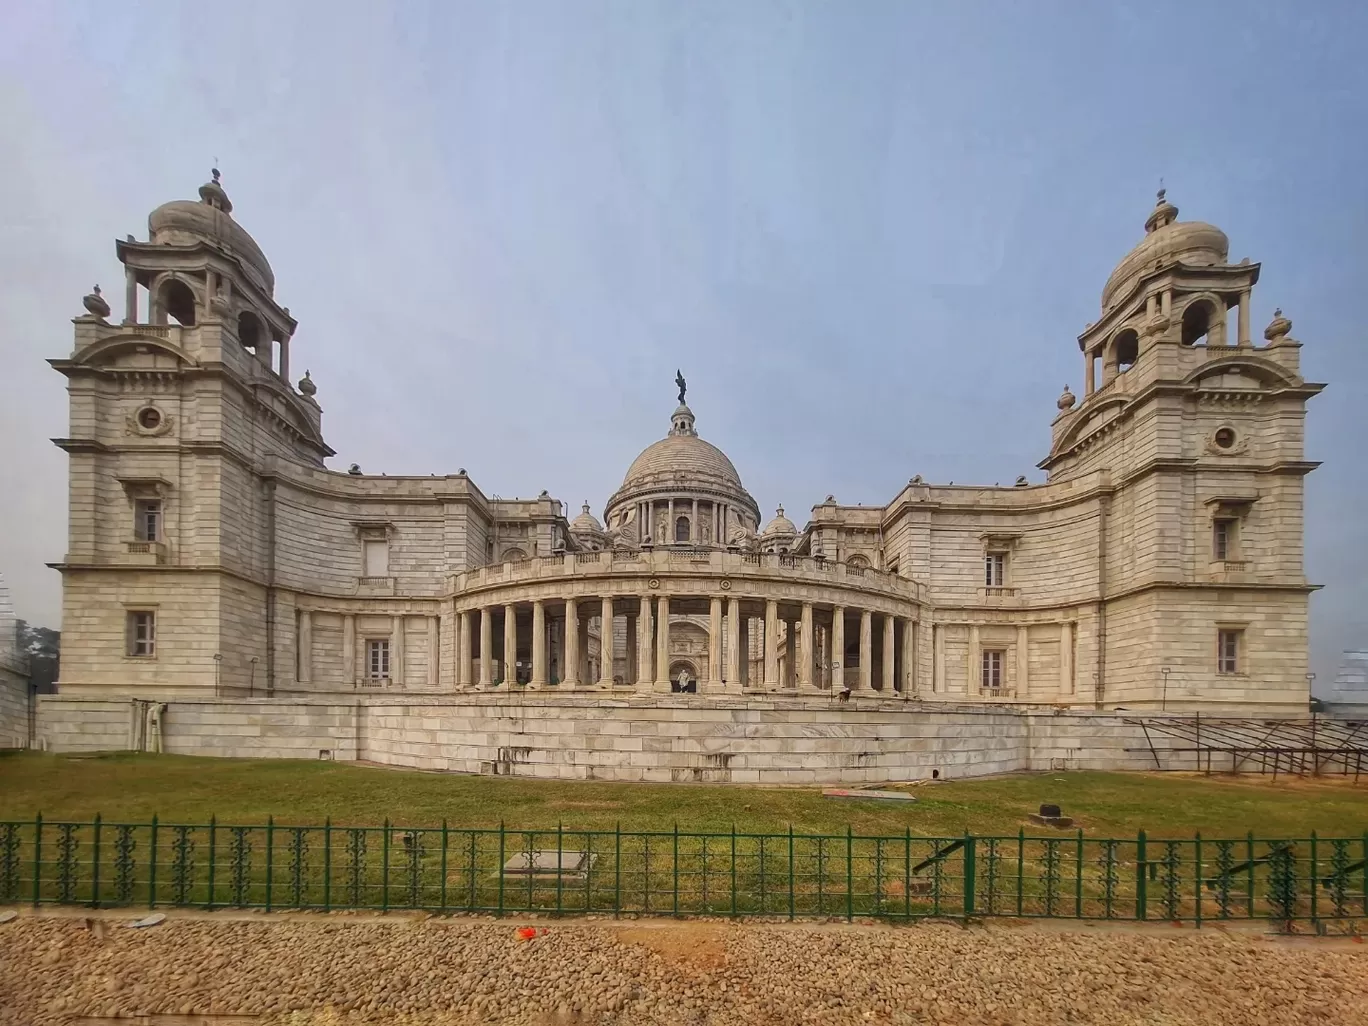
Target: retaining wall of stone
{"x": 590, "y": 737}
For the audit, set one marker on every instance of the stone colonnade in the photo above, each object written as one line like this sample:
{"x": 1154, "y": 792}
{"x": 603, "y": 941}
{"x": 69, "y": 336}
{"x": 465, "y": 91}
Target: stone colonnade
{"x": 625, "y": 642}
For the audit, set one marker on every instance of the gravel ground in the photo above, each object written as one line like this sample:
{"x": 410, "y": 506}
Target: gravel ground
{"x": 339, "y": 970}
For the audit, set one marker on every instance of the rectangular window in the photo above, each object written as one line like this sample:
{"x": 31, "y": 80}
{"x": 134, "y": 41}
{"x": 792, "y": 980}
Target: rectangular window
{"x": 147, "y": 520}
{"x": 1223, "y": 539}
{"x": 377, "y": 659}
{"x": 377, "y": 559}
{"x": 142, "y": 634}
{"x": 992, "y": 668}
{"x": 995, "y": 569}
{"x": 1228, "y": 650}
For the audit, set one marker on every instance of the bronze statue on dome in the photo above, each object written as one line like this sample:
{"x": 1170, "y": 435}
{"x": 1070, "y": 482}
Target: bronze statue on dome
{"x": 679, "y": 380}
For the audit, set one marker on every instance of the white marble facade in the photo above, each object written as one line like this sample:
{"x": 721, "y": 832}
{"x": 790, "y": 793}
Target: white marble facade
{"x": 212, "y": 552}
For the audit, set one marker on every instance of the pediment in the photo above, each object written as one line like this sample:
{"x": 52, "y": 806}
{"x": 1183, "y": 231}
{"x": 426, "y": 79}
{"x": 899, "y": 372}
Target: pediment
{"x": 133, "y": 351}
{"x": 1240, "y": 371}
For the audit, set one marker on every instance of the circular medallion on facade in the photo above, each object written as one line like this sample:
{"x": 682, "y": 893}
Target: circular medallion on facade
{"x": 148, "y": 419}
{"x": 726, "y": 585}
{"x": 654, "y": 582}
{"x": 1225, "y": 438}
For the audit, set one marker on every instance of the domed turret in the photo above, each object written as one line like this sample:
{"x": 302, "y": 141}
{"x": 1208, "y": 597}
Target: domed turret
{"x": 586, "y": 530}
{"x": 1166, "y": 240}
{"x": 183, "y": 222}
{"x": 779, "y": 534}
{"x": 681, "y": 490}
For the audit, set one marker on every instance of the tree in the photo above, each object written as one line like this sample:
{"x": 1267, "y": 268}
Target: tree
{"x": 42, "y": 646}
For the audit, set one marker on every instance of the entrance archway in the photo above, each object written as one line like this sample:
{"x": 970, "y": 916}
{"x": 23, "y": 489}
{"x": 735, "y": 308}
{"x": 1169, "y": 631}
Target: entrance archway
{"x": 687, "y": 667}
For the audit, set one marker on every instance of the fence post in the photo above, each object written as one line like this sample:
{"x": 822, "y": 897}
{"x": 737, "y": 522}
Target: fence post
{"x": 1315, "y": 880}
{"x": 674, "y": 901}
{"x": 444, "y": 866}
{"x": 37, "y": 857}
{"x": 1197, "y": 872}
{"x": 790, "y": 874}
{"x": 850, "y": 874}
{"x": 152, "y": 869}
{"x": 733, "y": 869}
{"x": 1021, "y": 866}
{"x": 213, "y": 829}
{"x": 1141, "y": 875}
{"x": 969, "y": 870}
{"x": 327, "y": 864}
{"x": 617, "y": 869}
{"x": 384, "y": 868}
{"x": 95, "y": 866}
{"x": 270, "y": 857}
{"x": 502, "y": 840}
{"x": 907, "y": 873}
{"x": 1078, "y": 877}
{"x": 1249, "y": 877}
{"x": 560, "y": 874}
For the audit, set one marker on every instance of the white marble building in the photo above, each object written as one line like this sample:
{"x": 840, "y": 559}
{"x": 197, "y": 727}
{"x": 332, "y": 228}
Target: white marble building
{"x": 213, "y": 554}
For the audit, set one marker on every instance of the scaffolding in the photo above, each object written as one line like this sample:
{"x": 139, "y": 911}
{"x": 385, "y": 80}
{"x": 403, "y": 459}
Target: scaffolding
{"x": 1299, "y": 747}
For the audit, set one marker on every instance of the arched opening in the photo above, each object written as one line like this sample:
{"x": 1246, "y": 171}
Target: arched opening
{"x": 176, "y": 301}
{"x": 1127, "y": 345}
{"x": 514, "y": 555}
{"x": 683, "y": 676}
{"x": 250, "y": 333}
{"x": 681, "y": 529}
{"x": 1198, "y": 320}
{"x": 858, "y": 562}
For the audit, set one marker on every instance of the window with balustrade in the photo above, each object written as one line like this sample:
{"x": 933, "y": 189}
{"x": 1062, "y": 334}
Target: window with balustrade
{"x": 994, "y": 569}
{"x": 378, "y": 659}
{"x": 1224, "y": 538}
{"x": 993, "y": 661}
{"x": 141, "y": 629}
{"x": 147, "y": 520}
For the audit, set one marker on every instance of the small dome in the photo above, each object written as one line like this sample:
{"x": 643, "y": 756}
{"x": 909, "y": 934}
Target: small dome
{"x": 210, "y": 220}
{"x": 1166, "y": 240}
{"x": 585, "y": 522}
{"x": 780, "y": 525}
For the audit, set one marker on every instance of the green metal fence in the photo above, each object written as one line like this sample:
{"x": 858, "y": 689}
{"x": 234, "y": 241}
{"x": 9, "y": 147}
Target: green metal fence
{"x": 444, "y": 869}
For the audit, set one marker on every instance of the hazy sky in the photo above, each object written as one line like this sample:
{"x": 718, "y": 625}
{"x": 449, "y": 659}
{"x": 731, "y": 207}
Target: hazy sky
{"x": 868, "y": 233}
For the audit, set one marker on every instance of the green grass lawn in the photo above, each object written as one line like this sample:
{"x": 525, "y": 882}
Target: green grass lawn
{"x": 130, "y": 788}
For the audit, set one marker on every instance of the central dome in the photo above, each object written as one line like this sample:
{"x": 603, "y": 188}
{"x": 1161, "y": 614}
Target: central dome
{"x": 682, "y": 453}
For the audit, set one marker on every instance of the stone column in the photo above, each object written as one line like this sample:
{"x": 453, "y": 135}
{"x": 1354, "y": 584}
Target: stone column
{"x": 464, "y": 656}
{"x": 743, "y": 628}
{"x": 714, "y": 682}
{"x": 693, "y": 520}
{"x": 974, "y": 677}
{"x": 1088, "y": 383}
{"x": 510, "y": 651}
{"x": 890, "y": 637}
{"x": 285, "y": 360}
{"x": 645, "y": 635}
{"x": 586, "y": 677}
{"x": 434, "y": 653}
{"x": 809, "y": 648}
{"x": 771, "y": 645}
{"x": 606, "y": 643}
{"x": 909, "y": 676}
{"x": 538, "y": 678}
{"x": 866, "y": 652}
{"x": 397, "y": 643}
{"x": 632, "y": 657}
{"x": 304, "y": 642}
{"x": 838, "y": 648}
{"x": 1066, "y": 668}
{"x": 1245, "y": 298}
{"x": 734, "y": 645}
{"x": 570, "y": 665}
{"x": 662, "y": 681}
{"x": 486, "y": 680}
{"x": 349, "y": 650}
{"x": 131, "y": 296}
{"x": 1023, "y": 662}
{"x": 937, "y": 658}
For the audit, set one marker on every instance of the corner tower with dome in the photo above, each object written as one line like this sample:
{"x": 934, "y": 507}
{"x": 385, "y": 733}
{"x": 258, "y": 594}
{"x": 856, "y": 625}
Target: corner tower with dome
{"x": 214, "y": 556}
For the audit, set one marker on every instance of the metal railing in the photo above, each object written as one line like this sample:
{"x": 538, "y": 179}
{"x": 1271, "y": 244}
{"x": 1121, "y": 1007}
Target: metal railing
{"x": 794, "y": 875}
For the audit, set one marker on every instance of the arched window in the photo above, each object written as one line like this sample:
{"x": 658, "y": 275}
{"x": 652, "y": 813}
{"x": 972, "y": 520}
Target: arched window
{"x": 514, "y": 555}
{"x": 250, "y": 333}
{"x": 1197, "y": 322}
{"x": 1127, "y": 345}
{"x": 858, "y": 561}
{"x": 177, "y": 301}
{"x": 681, "y": 529}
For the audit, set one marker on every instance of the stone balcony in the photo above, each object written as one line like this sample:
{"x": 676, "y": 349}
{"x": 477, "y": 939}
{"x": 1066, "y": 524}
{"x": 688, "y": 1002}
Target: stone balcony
{"x": 706, "y": 564}
{"x": 144, "y": 553}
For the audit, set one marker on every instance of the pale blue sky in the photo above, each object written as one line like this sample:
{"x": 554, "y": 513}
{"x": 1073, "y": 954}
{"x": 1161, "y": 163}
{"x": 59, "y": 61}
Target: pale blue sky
{"x": 869, "y": 233}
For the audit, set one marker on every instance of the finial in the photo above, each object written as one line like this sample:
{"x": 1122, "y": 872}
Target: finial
{"x": 780, "y": 511}
{"x": 214, "y": 173}
{"x": 1066, "y": 399}
{"x": 95, "y": 304}
{"x": 1278, "y": 327}
{"x": 1162, "y": 192}
{"x": 307, "y": 386}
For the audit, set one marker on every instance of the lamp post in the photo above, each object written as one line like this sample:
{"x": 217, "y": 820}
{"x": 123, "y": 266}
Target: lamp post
{"x": 1163, "y": 701}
